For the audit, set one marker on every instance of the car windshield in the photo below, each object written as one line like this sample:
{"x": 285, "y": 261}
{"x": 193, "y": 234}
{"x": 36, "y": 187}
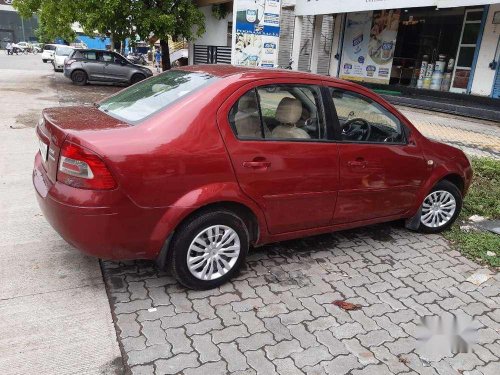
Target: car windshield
{"x": 154, "y": 94}
{"x": 63, "y": 51}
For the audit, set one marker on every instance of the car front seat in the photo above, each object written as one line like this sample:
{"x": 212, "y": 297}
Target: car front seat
{"x": 288, "y": 114}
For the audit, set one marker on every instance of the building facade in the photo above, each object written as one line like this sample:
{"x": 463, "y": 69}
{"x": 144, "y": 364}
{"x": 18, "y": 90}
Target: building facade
{"x": 445, "y": 46}
{"x": 439, "y": 45}
{"x": 12, "y": 27}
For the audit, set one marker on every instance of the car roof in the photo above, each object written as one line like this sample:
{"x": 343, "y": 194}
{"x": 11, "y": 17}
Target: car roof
{"x": 223, "y": 71}
{"x": 91, "y": 50}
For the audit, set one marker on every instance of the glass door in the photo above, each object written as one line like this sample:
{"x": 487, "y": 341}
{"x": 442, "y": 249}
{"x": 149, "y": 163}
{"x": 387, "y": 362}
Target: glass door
{"x": 466, "y": 49}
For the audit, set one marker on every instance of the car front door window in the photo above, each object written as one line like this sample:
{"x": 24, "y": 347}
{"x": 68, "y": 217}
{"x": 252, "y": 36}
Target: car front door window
{"x": 106, "y": 57}
{"x": 364, "y": 120}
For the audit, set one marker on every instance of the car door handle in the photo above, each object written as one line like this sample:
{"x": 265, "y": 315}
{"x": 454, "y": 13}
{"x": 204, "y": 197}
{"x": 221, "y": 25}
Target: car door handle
{"x": 257, "y": 164}
{"x": 358, "y": 163}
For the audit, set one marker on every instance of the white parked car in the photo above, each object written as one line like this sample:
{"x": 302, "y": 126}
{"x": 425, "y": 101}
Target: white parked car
{"x": 60, "y": 55}
{"x": 48, "y": 52}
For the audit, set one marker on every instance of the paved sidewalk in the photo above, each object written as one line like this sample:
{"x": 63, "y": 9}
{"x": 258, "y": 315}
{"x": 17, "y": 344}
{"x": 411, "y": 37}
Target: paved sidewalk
{"x": 54, "y": 311}
{"x": 475, "y": 137}
{"x": 278, "y": 316}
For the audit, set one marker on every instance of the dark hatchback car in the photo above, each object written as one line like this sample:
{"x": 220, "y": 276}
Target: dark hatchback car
{"x": 90, "y": 65}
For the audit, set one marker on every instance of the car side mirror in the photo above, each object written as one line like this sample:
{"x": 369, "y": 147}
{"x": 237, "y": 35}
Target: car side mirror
{"x": 123, "y": 62}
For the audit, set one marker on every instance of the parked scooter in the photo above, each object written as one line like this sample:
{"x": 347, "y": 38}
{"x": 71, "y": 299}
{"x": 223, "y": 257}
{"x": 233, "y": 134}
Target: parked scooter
{"x": 137, "y": 58}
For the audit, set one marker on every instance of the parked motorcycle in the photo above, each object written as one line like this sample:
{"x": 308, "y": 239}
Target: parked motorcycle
{"x": 137, "y": 58}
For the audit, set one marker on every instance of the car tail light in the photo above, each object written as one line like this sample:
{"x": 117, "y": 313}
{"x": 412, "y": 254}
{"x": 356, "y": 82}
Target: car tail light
{"x": 81, "y": 168}
{"x": 68, "y": 62}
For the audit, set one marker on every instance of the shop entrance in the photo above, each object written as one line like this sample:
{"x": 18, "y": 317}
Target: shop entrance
{"x": 435, "y": 48}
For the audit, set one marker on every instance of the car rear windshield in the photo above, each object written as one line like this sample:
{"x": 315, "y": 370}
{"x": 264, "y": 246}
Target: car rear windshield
{"x": 154, "y": 94}
{"x": 63, "y": 51}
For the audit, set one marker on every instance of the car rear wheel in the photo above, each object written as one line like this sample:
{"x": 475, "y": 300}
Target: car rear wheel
{"x": 137, "y": 78}
{"x": 209, "y": 249}
{"x": 440, "y": 208}
{"x": 79, "y": 77}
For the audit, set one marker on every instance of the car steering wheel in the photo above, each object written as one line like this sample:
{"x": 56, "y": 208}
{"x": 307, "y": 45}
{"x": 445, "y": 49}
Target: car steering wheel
{"x": 356, "y": 129}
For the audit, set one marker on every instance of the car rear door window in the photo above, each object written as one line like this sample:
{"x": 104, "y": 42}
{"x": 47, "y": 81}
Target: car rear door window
{"x": 90, "y": 55}
{"x": 364, "y": 120}
{"x": 280, "y": 112}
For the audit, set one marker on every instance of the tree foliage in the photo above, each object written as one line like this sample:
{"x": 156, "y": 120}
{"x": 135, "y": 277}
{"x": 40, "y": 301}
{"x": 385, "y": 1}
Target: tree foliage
{"x": 55, "y": 17}
{"x": 119, "y": 18}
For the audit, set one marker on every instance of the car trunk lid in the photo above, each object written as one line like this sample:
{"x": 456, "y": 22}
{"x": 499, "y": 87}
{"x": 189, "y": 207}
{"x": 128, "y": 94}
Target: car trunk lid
{"x": 57, "y": 123}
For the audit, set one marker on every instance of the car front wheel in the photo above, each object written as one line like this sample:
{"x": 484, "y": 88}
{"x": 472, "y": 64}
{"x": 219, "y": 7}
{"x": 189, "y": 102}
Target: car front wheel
{"x": 440, "y": 208}
{"x": 209, "y": 249}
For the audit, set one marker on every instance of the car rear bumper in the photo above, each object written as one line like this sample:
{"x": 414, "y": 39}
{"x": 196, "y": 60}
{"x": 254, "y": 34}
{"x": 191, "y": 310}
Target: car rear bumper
{"x": 104, "y": 224}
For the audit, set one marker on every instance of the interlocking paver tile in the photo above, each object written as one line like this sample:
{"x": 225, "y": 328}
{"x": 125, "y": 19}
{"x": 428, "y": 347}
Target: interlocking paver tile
{"x": 311, "y": 356}
{"x": 283, "y": 349}
{"x": 207, "y": 350}
{"x": 260, "y": 363}
{"x": 177, "y": 364}
{"x": 278, "y": 315}
{"x": 255, "y": 341}
{"x": 236, "y": 361}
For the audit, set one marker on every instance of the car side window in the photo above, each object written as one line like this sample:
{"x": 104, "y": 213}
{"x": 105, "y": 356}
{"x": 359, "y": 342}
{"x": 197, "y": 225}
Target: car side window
{"x": 118, "y": 59}
{"x": 245, "y": 118}
{"x": 90, "y": 55}
{"x": 280, "y": 112}
{"x": 364, "y": 120}
{"x": 106, "y": 57}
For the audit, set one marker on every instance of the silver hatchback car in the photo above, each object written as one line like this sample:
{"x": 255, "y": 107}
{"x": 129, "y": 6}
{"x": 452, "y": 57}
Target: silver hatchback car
{"x": 91, "y": 65}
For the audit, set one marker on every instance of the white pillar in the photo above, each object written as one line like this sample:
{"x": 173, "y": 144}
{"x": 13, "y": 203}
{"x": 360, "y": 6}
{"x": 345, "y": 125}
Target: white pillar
{"x": 190, "y": 53}
{"x": 297, "y": 35}
{"x": 318, "y": 25}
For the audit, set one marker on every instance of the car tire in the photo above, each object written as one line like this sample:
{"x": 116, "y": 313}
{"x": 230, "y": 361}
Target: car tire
{"x": 45, "y": 61}
{"x": 223, "y": 258}
{"x": 137, "y": 78}
{"x": 79, "y": 77}
{"x": 440, "y": 207}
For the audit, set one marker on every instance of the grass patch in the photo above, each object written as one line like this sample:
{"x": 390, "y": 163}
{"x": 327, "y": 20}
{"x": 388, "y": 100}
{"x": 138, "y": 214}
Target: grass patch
{"x": 483, "y": 199}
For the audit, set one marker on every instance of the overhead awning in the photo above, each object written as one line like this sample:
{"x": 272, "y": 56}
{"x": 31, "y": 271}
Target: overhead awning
{"x": 313, "y": 7}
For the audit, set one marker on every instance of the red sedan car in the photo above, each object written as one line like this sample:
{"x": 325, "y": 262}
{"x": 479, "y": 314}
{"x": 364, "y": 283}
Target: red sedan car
{"x": 193, "y": 166}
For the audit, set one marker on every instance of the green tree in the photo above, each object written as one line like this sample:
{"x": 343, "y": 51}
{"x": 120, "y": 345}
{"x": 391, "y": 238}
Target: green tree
{"x": 119, "y": 18}
{"x": 55, "y": 17}
{"x": 161, "y": 18}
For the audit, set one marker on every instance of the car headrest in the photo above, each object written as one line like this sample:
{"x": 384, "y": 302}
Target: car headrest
{"x": 247, "y": 103}
{"x": 289, "y": 111}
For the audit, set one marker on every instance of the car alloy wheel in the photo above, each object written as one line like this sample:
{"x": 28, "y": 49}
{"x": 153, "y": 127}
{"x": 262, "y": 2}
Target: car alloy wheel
{"x": 438, "y": 209}
{"x": 208, "y": 249}
{"x": 213, "y": 252}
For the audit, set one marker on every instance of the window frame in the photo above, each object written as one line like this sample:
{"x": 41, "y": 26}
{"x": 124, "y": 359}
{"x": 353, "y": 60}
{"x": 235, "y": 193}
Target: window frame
{"x": 327, "y": 117}
{"x": 405, "y": 132}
